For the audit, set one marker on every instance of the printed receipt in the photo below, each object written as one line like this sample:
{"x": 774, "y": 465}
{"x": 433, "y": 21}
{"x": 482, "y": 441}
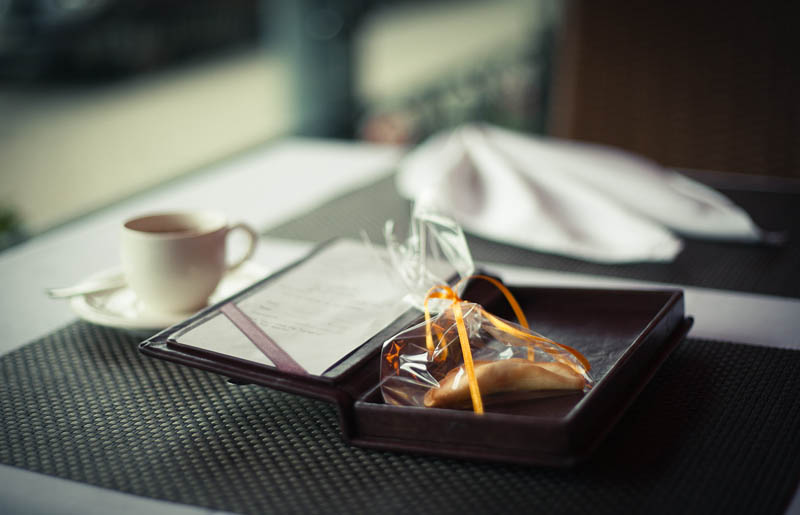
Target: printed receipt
{"x": 317, "y": 312}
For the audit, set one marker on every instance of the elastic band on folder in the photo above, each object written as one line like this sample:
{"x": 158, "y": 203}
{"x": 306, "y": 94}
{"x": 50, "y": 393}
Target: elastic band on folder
{"x": 260, "y": 339}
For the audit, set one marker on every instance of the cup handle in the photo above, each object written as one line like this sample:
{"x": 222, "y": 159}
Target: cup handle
{"x": 250, "y": 250}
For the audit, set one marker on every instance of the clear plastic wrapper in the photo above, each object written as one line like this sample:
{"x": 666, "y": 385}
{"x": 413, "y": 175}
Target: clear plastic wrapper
{"x": 465, "y": 357}
{"x": 435, "y": 251}
{"x": 462, "y": 356}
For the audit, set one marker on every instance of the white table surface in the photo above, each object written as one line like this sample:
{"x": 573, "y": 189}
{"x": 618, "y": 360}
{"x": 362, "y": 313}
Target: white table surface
{"x": 264, "y": 188}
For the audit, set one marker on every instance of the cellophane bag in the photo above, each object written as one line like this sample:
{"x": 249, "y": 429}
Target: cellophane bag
{"x": 434, "y": 252}
{"x": 461, "y": 356}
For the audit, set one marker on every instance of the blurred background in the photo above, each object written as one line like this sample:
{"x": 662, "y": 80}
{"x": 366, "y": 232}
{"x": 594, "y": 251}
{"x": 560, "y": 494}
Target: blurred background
{"x": 101, "y": 99}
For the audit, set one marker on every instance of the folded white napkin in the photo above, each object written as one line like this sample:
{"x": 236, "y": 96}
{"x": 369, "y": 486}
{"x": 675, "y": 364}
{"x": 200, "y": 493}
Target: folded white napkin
{"x": 580, "y": 200}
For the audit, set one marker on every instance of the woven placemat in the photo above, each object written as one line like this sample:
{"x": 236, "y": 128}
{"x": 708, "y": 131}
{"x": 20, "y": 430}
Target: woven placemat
{"x": 762, "y": 269}
{"x": 717, "y": 430}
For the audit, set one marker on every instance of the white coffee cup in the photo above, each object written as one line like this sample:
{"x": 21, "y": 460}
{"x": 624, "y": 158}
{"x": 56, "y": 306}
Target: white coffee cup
{"x": 173, "y": 262}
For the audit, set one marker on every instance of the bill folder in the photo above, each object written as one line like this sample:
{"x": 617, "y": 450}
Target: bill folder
{"x": 258, "y": 337}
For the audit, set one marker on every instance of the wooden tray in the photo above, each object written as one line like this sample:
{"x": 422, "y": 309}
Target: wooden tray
{"x": 626, "y": 334}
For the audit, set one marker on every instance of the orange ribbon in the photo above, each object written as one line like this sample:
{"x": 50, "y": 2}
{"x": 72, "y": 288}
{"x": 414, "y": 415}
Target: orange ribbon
{"x": 447, "y": 293}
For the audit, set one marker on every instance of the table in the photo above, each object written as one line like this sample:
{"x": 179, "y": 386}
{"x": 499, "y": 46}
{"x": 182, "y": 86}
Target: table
{"x": 348, "y": 177}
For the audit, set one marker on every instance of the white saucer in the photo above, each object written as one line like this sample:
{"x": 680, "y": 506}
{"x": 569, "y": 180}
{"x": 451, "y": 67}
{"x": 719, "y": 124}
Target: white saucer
{"x": 121, "y": 309}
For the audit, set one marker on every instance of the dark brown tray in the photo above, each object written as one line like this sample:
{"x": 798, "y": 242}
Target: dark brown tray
{"x": 626, "y": 334}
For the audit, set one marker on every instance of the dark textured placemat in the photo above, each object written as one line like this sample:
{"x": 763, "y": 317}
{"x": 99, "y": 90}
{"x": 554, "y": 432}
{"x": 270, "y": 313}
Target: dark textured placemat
{"x": 751, "y": 268}
{"x": 717, "y": 430}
